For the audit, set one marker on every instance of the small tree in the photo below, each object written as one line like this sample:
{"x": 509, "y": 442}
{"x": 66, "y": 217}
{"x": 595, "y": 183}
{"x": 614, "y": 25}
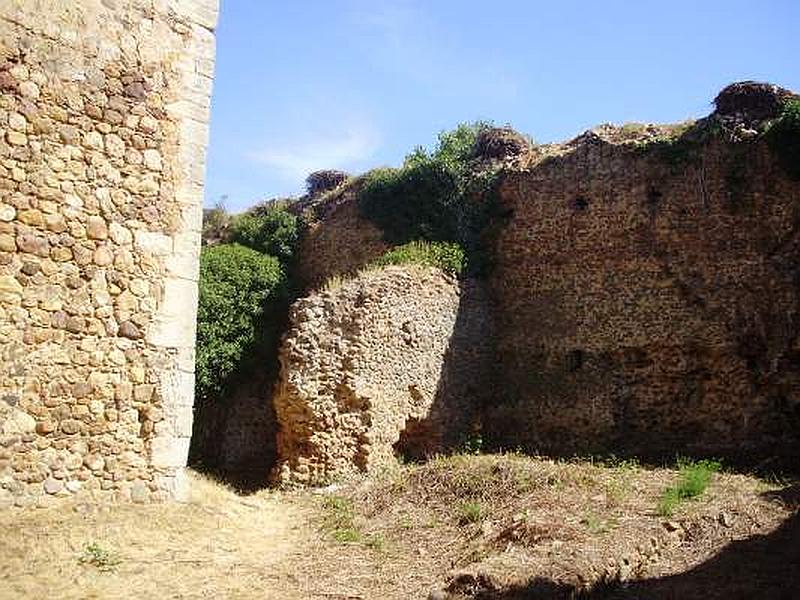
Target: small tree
{"x": 215, "y": 223}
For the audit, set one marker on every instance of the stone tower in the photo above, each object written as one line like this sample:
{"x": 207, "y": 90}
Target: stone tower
{"x": 104, "y": 108}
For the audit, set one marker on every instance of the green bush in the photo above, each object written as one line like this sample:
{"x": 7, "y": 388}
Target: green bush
{"x": 415, "y": 202}
{"x": 271, "y": 230}
{"x": 446, "y": 256}
{"x": 784, "y": 138}
{"x": 440, "y": 196}
{"x": 236, "y": 284}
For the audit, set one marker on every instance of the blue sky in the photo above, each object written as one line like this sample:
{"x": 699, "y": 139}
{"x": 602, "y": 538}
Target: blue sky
{"x": 353, "y": 84}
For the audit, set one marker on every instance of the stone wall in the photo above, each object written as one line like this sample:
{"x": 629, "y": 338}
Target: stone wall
{"x": 395, "y": 360}
{"x": 338, "y": 241}
{"x": 650, "y": 304}
{"x": 235, "y": 439}
{"x": 104, "y": 107}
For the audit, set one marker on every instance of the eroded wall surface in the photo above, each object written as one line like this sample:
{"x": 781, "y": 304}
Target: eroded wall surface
{"x": 649, "y": 305}
{"x": 339, "y": 240}
{"x": 104, "y": 106}
{"x": 394, "y": 360}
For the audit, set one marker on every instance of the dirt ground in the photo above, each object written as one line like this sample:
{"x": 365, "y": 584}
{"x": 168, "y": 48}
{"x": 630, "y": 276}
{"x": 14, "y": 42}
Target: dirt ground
{"x": 459, "y": 527}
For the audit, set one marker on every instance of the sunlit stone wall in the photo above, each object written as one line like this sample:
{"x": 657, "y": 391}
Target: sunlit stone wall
{"x": 104, "y": 108}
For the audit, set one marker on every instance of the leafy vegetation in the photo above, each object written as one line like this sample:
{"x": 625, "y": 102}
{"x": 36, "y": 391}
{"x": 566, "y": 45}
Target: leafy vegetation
{"x": 271, "y": 230}
{"x": 446, "y": 256}
{"x": 439, "y": 196}
{"x": 596, "y": 524}
{"x": 236, "y": 283}
{"x": 784, "y": 138}
{"x": 694, "y": 478}
{"x": 338, "y": 520}
{"x": 243, "y": 292}
{"x": 685, "y": 143}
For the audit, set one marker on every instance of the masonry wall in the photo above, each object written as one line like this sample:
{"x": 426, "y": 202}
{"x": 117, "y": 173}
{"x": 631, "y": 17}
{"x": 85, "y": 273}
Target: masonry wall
{"x": 338, "y": 241}
{"x": 649, "y": 306}
{"x": 104, "y": 106}
{"x": 393, "y": 361}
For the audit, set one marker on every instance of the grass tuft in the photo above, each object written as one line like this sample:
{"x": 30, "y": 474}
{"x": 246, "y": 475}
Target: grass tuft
{"x": 97, "y": 556}
{"x": 694, "y": 479}
{"x": 470, "y": 512}
{"x": 448, "y": 257}
{"x": 338, "y": 520}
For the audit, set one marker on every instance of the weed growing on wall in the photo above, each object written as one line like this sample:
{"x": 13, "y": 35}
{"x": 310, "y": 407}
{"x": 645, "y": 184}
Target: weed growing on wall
{"x": 685, "y": 145}
{"x": 448, "y": 257}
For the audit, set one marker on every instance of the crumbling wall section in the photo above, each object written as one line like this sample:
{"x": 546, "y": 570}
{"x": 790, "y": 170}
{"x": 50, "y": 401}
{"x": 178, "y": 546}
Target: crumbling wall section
{"x": 339, "y": 240}
{"x": 393, "y": 360}
{"x": 103, "y": 112}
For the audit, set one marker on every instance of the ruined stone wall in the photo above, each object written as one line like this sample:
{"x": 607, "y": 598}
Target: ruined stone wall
{"x": 338, "y": 241}
{"x": 649, "y": 305}
{"x": 104, "y": 107}
{"x": 395, "y": 360}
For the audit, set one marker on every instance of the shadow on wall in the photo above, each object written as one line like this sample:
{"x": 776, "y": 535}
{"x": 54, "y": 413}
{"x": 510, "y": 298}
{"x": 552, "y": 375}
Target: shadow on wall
{"x": 465, "y": 382}
{"x": 647, "y": 304}
{"x": 234, "y": 439}
{"x": 234, "y": 436}
{"x": 762, "y": 567}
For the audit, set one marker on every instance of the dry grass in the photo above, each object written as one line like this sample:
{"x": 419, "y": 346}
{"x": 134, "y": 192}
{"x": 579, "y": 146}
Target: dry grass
{"x": 219, "y": 543}
{"x": 397, "y": 536}
{"x": 574, "y": 523}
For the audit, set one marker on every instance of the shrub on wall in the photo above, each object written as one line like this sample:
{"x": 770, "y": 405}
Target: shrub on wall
{"x": 446, "y": 256}
{"x": 236, "y": 285}
{"x": 271, "y": 229}
{"x": 444, "y": 195}
{"x": 416, "y": 201}
{"x": 784, "y": 138}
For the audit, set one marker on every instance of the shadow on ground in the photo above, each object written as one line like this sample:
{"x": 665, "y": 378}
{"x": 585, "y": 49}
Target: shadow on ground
{"x": 761, "y": 567}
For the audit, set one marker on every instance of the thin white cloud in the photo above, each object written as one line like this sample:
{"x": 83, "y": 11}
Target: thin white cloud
{"x": 294, "y": 159}
{"x": 400, "y": 36}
